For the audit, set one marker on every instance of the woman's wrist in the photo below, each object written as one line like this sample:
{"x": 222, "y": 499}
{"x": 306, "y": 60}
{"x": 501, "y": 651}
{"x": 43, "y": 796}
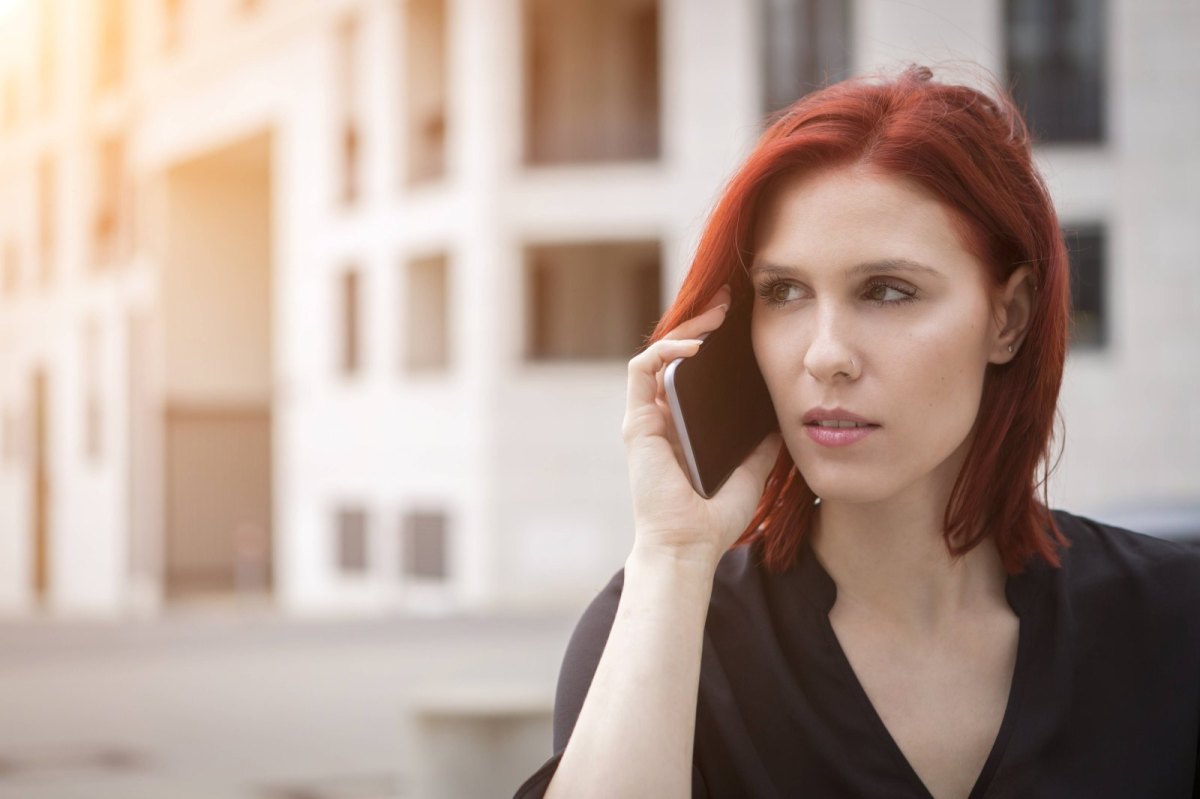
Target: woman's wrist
{"x": 696, "y": 562}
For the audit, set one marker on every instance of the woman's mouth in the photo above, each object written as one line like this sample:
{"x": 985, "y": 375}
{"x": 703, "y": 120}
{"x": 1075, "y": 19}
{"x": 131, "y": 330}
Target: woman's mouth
{"x": 838, "y": 433}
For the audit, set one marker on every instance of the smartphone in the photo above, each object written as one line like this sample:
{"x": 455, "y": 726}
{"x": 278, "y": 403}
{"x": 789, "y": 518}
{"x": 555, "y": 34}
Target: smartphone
{"x": 719, "y": 401}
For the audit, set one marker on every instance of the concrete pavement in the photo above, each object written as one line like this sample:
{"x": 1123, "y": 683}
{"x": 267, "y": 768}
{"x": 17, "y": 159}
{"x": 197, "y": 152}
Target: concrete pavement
{"x": 224, "y": 706}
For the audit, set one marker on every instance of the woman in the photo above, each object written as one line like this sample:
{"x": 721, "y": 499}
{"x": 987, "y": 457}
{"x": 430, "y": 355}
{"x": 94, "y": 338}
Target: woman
{"x": 899, "y": 615}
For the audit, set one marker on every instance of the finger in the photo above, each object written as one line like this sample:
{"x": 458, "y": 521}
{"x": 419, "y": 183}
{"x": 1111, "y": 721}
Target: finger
{"x": 702, "y": 325}
{"x": 643, "y": 369}
{"x": 707, "y": 320}
{"x": 672, "y": 436}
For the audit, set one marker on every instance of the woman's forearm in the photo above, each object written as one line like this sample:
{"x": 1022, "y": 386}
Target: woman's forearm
{"x": 635, "y": 730}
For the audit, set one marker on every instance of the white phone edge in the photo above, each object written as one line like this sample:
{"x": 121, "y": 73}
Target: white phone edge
{"x": 681, "y": 427}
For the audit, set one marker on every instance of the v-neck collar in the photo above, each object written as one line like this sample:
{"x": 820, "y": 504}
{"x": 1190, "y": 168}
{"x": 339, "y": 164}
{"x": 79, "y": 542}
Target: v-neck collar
{"x": 1021, "y": 591}
{"x": 819, "y": 588}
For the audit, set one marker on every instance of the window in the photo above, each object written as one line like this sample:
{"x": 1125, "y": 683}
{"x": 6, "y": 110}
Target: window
{"x": 110, "y": 44}
{"x": 1086, "y": 248}
{"x": 106, "y": 230}
{"x": 591, "y": 80}
{"x": 47, "y": 42}
{"x": 427, "y": 339}
{"x": 425, "y": 45}
{"x": 591, "y": 301}
{"x": 423, "y": 545}
{"x": 93, "y": 421}
{"x": 806, "y": 45}
{"x": 352, "y": 540}
{"x": 347, "y": 47}
{"x": 350, "y": 356}
{"x": 1055, "y": 63}
{"x": 46, "y": 207}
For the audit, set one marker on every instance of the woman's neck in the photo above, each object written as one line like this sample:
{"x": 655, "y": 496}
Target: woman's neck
{"x": 893, "y": 565}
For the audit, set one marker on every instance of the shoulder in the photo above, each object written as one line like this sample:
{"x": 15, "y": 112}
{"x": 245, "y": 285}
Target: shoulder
{"x": 1117, "y": 562}
{"x": 1098, "y": 547}
{"x": 591, "y": 634}
{"x": 582, "y": 656}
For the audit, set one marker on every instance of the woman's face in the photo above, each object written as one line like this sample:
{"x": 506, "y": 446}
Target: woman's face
{"x": 904, "y": 347}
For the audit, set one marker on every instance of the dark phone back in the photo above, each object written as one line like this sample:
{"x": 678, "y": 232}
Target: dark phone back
{"x": 722, "y": 399}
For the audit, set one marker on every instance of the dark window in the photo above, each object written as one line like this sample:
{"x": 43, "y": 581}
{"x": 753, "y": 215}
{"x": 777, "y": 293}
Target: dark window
{"x": 110, "y": 44}
{"x": 806, "y": 45}
{"x": 348, "y": 32}
{"x": 352, "y": 540}
{"x": 110, "y": 177}
{"x": 350, "y": 359}
{"x": 425, "y": 46}
{"x": 424, "y": 545}
{"x": 591, "y": 301}
{"x": 427, "y": 344}
{"x": 1055, "y": 61}
{"x": 1086, "y": 247}
{"x": 350, "y": 160}
{"x": 591, "y": 80}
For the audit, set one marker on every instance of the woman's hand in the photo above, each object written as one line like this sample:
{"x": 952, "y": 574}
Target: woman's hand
{"x": 669, "y": 516}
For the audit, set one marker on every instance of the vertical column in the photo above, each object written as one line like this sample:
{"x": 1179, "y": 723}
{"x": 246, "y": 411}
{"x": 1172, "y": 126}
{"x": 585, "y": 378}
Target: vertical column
{"x": 710, "y": 114}
{"x": 483, "y": 107}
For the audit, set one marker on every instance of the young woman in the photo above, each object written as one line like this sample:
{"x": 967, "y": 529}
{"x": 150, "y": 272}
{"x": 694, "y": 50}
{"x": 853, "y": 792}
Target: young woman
{"x": 888, "y": 610}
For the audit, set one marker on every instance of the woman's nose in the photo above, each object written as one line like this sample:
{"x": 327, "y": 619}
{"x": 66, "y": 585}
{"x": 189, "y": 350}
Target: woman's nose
{"x": 829, "y": 352}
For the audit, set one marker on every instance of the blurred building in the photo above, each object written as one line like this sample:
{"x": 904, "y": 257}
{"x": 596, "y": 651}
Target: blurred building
{"x": 329, "y": 302}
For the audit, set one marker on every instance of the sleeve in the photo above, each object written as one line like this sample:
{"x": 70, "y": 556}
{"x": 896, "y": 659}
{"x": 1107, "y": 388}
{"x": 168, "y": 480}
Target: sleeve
{"x": 575, "y": 678}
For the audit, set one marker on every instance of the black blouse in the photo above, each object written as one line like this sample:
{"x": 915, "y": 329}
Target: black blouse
{"x": 1104, "y": 700}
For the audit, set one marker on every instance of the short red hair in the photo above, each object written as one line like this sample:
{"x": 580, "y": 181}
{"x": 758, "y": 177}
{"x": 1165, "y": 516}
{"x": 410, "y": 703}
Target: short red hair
{"x": 973, "y": 152}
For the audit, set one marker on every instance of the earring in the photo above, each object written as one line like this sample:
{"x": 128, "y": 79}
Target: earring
{"x": 1010, "y": 348}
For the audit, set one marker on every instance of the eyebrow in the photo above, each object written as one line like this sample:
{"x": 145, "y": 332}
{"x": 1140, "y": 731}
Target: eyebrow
{"x": 867, "y": 267}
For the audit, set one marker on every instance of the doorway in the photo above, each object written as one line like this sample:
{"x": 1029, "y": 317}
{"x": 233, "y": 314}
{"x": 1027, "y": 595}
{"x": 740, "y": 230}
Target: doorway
{"x": 217, "y": 378}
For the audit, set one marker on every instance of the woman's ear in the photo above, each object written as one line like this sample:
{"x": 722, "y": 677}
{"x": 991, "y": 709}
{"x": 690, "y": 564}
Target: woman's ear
{"x": 1011, "y": 312}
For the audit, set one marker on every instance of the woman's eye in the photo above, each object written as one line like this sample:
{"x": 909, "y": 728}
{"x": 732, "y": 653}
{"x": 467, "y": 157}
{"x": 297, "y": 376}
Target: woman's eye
{"x": 778, "y": 293}
{"x": 878, "y": 292}
{"x": 774, "y": 292}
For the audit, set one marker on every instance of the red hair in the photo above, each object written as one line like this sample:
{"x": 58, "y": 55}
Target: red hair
{"x": 973, "y": 152}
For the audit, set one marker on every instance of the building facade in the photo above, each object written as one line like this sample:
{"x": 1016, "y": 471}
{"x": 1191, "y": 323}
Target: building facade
{"x": 328, "y": 303}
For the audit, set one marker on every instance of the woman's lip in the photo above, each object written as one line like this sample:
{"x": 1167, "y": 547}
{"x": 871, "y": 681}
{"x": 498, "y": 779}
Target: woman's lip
{"x": 837, "y": 436}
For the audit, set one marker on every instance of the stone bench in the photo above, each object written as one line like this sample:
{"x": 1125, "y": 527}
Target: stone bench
{"x": 479, "y": 739}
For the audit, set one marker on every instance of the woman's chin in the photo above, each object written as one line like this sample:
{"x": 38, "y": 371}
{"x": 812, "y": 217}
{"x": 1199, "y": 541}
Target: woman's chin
{"x": 854, "y": 492}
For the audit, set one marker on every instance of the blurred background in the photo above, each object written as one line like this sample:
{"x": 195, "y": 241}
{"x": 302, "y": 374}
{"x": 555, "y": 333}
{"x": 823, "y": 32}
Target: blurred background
{"x": 314, "y": 321}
